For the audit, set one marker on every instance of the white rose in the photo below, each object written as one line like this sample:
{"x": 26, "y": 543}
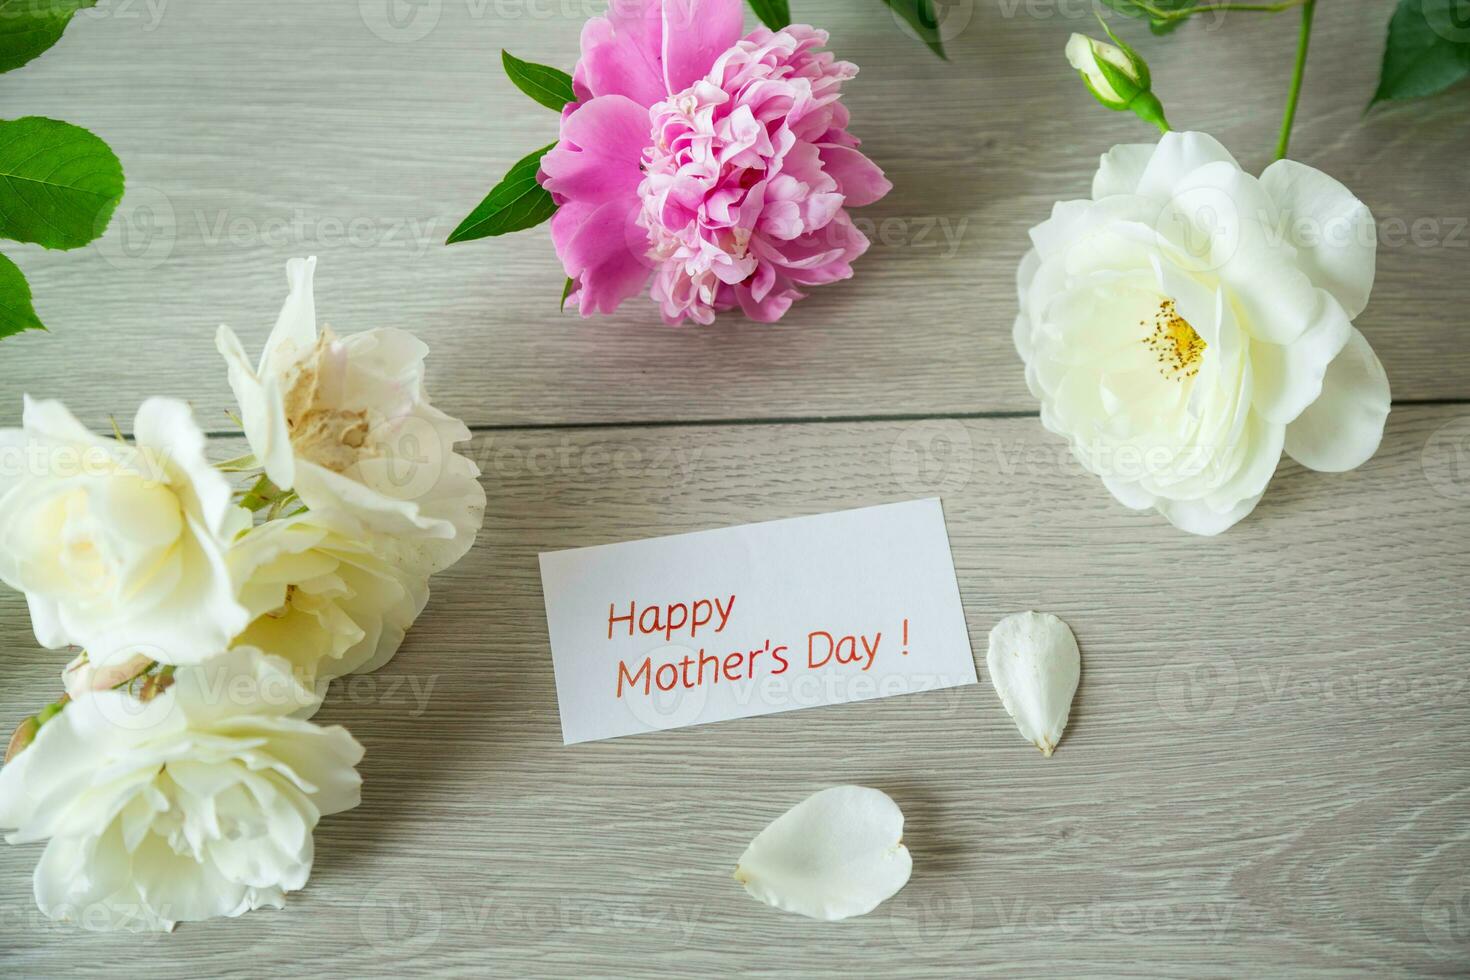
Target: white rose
{"x": 328, "y": 602}
{"x": 198, "y": 803}
{"x": 345, "y": 422}
{"x": 119, "y": 547}
{"x": 1189, "y": 321}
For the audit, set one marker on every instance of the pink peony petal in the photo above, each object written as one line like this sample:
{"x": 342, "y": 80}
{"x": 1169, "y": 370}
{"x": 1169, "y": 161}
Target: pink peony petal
{"x": 622, "y": 52}
{"x": 860, "y": 179}
{"x": 599, "y": 247}
{"x": 695, "y": 34}
{"x": 749, "y": 169}
{"x": 598, "y": 156}
{"x": 770, "y": 307}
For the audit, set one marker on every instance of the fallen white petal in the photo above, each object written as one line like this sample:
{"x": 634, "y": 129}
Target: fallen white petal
{"x": 1034, "y": 664}
{"x": 836, "y": 854}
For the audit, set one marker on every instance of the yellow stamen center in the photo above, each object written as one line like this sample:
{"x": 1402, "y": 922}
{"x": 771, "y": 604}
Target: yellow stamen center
{"x": 1175, "y": 344}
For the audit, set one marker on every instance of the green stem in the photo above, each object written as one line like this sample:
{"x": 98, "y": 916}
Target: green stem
{"x": 1263, "y": 8}
{"x": 1303, "y": 39}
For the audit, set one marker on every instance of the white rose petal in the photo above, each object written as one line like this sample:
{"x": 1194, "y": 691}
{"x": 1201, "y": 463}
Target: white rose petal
{"x": 346, "y": 423}
{"x": 199, "y": 803}
{"x": 328, "y": 601}
{"x": 1035, "y": 665}
{"x": 1332, "y": 231}
{"x": 837, "y": 854}
{"x": 1341, "y": 430}
{"x": 1120, "y": 168}
{"x": 119, "y": 548}
{"x": 1189, "y": 321}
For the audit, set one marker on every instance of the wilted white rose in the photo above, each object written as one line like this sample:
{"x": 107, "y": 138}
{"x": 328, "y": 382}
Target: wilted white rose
{"x": 119, "y": 547}
{"x": 82, "y": 676}
{"x": 198, "y": 803}
{"x": 346, "y": 423}
{"x": 1190, "y": 321}
{"x": 329, "y": 602}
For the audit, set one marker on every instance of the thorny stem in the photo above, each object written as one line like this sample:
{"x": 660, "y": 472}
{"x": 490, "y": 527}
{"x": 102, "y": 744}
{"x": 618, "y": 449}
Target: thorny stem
{"x": 1296, "y": 79}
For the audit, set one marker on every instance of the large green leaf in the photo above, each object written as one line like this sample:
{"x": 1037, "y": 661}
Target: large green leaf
{"x": 1428, "y": 49}
{"x": 549, "y": 86}
{"x": 516, "y": 203}
{"x": 16, "y": 311}
{"x": 921, "y": 17}
{"x": 775, "y": 14}
{"x": 1157, "y": 24}
{"x": 29, "y": 27}
{"x": 59, "y": 184}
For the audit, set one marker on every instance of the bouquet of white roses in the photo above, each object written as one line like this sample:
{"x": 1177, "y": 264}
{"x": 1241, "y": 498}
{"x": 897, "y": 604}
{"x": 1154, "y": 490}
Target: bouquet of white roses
{"x": 178, "y": 778}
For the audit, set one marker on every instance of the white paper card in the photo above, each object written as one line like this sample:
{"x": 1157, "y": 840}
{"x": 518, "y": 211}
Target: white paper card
{"x": 750, "y": 620}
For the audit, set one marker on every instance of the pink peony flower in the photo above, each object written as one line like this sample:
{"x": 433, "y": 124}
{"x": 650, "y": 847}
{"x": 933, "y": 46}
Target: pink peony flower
{"x": 712, "y": 169}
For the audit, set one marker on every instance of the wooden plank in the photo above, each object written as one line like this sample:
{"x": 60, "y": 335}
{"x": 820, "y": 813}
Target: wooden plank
{"x": 254, "y": 132}
{"x": 1265, "y": 773}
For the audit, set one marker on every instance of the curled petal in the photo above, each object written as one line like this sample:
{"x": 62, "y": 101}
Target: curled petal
{"x": 1333, "y": 231}
{"x": 861, "y": 179}
{"x": 1289, "y": 378}
{"x": 836, "y": 854}
{"x": 1176, "y": 157}
{"x": 1120, "y": 169}
{"x": 1341, "y": 430}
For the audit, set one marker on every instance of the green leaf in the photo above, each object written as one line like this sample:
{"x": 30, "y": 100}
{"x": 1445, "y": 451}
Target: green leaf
{"x": 565, "y": 292}
{"x": 16, "y": 311}
{"x": 516, "y": 203}
{"x": 920, "y": 16}
{"x": 775, "y": 14}
{"x": 551, "y": 87}
{"x": 59, "y": 184}
{"x": 29, "y": 27}
{"x": 1428, "y": 49}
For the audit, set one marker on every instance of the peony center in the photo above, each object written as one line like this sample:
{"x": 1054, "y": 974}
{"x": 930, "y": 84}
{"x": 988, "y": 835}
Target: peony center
{"x": 1176, "y": 345}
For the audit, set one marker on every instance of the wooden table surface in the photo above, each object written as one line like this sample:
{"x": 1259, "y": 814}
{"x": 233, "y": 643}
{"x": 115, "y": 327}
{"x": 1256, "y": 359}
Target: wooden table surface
{"x": 1266, "y": 772}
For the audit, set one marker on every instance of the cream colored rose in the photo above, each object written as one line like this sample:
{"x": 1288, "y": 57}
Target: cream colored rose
{"x": 199, "y": 803}
{"x": 328, "y": 602}
{"x": 117, "y": 547}
{"x": 1190, "y": 321}
{"x": 345, "y": 422}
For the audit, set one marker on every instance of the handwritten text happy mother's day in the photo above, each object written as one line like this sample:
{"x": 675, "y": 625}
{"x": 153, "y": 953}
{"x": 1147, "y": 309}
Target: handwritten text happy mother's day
{"x": 694, "y": 669}
{"x": 740, "y": 621}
